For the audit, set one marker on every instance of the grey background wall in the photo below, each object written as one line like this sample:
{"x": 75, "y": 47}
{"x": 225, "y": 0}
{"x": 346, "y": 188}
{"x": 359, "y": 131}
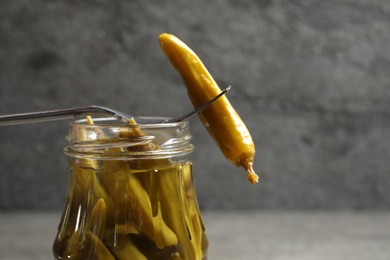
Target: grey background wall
{"x": 310, "y": 78}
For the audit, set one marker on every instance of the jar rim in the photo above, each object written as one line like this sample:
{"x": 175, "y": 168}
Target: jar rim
{"x": 97, "y": 139}
{"x": 147, "y": 122}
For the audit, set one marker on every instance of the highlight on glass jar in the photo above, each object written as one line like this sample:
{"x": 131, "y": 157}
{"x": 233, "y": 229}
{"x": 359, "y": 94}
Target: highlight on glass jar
{"x": 130, "y": 193}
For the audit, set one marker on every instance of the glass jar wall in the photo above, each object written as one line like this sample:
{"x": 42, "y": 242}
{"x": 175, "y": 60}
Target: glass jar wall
{"x": 130, "y": 194}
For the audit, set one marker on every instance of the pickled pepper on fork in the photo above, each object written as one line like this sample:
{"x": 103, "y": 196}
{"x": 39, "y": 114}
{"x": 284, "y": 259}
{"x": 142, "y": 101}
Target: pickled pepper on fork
{"x": 220, "y": 119}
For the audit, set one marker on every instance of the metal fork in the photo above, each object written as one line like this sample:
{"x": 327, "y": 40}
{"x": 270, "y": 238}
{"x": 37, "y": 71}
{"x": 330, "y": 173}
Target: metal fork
{"x": 93, "y": 110}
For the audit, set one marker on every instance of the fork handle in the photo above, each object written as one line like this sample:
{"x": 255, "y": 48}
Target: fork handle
{"x": 59, "y": 114}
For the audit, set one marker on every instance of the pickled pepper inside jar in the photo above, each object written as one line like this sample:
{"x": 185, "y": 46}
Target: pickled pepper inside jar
{"x": 130, "y": 193}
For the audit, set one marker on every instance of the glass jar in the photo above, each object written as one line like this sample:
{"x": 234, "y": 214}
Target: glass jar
{"x": 130, "y": 193}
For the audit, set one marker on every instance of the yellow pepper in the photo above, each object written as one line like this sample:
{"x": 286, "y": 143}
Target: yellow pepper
{"x": 220, "y": 119}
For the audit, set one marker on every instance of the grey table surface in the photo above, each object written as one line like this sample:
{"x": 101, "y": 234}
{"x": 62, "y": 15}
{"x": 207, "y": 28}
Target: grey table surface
{"x": 236, "y": 235}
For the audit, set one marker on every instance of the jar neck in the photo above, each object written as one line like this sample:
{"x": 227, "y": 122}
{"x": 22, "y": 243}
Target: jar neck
{"x": 109, "y": 139}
